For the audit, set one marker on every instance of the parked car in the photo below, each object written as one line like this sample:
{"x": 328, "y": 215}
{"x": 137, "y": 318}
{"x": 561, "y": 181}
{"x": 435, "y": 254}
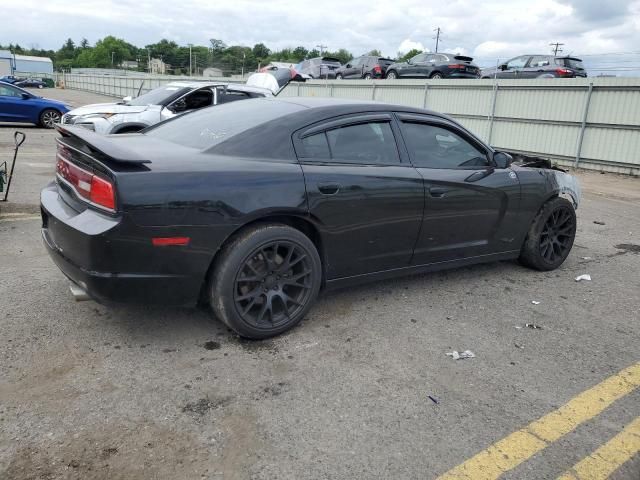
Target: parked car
{"x": 366, "y": 67}
{"x": 30, "y": 83}
{"x": 319, "y": 67}
{"x": 434, "y": 65}
{"x": 8, "y": 79}
{"x": 537, "y": 66}
{"x": 254, "y": 206}
{"x": 162, "y": 103}
{"x": 19, "y": 105}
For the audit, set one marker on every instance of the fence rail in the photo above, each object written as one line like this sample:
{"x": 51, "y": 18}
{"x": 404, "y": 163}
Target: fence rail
{"x": 592, "y": 122}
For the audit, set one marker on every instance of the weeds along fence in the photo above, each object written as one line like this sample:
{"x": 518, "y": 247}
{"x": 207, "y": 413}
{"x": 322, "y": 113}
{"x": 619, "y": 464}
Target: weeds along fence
{"x": 591, "y": 123}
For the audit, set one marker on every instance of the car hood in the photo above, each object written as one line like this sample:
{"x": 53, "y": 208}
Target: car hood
{"x": 108, "y": 108}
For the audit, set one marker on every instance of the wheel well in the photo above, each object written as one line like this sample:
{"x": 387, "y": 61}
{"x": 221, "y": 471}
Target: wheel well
{"x": 129, "y": 128}
{"x": 298, "y": 223}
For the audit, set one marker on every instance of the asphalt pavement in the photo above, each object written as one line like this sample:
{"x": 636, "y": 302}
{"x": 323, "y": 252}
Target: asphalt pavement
{"x": 362, "y": 389}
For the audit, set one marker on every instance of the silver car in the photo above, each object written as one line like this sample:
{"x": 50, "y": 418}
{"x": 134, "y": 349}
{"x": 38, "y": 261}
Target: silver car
{"x": 175, "y": 98}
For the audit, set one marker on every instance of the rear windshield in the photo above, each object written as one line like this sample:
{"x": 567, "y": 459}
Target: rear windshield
{"x": 202, "y": 129}
{"x": 159, "y": 96}
{"x": 570, "y": 63}
{"x": 462, "y": 58}
{"x": 330, "y": 61}
{"x": 385, "y": 61}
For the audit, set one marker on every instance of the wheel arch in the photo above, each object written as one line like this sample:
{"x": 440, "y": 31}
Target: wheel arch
{"x": 300, "y": 223}
{"x": 129, "y": 127}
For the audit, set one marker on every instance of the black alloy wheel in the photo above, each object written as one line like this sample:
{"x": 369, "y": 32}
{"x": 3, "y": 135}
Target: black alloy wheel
{"x": 557, "y": 234}
{"x": 367, "y": 76}
{"x": 550, "y": 236}
{"x": 273, "y": 284}
{"x": 265, "y": 280}
{"x": 437, "y": 76}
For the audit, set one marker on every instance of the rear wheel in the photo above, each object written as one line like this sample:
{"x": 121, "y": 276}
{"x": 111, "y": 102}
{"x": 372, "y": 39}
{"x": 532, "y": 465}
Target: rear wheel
{"x": 367, "y": 76}
{"x": 392, "y": 75}
{"x": 339, "y": 76}
{"x": 550, "y": 236}
{"x": 49, "y": 118}
{"x": 266, "y": 280}
{"x": 436, "y": 75}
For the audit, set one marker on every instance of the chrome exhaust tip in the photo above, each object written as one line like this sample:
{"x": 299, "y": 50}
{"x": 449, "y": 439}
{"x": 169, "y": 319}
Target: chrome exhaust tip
{"x": 79, "y": 293}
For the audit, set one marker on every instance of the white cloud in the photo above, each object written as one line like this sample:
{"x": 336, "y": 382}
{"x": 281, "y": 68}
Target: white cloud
{"x": 408, "y": 44}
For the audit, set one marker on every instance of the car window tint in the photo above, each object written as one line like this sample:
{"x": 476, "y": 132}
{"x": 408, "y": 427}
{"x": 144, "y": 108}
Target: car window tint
{"x": 9, "y": 92}
{"x": 230, "y": 96}
{"x": 316, "y": 146}
{"x": 538, "y": 61}
{"x": 519, "y": 62}
{"x": 435, "y": 147}
{"x": 365, "y": 143}
{"x": 419, "y": 58}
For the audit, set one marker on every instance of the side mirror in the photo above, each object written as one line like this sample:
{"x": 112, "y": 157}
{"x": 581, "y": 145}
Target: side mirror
{"x": 25, "y": 96}
{"x": 502, "y": 159}
{"x": 348, "y": 65}
{"x": 503, "y": 66}
{"x": 410, "y": 62}
{"x": 128, "y": 98}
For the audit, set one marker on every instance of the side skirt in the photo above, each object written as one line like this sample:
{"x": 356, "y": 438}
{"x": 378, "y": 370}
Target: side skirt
{"x": 415, "y": 269}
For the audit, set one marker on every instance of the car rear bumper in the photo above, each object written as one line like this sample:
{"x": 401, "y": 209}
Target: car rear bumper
{"x": 81, "y": 244}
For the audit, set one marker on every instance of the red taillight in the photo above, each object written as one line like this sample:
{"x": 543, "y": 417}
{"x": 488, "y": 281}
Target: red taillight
{"x": 457, "y": 66}
{"x": 377, "y": 69}
{"x": 564, "y": 72}
{"x": 91, "y": 187}
{"x": 170, "y": 241}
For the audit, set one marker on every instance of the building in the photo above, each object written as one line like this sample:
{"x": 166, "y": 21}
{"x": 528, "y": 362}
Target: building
{"x": 158, "y": 66}
{"x": 212, "y": 72}
{"x": 129, "y": 64}
{"x": 6, "y": 63}
{"x": 28, "y": 64}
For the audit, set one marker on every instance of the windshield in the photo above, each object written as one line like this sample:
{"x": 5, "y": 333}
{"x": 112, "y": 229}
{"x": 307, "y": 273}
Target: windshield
{"x": 159, "y": 96}
{"x": 202, "y": 129}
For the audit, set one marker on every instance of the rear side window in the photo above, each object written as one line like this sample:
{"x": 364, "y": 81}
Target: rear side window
{"x": 435, "y": 147}
{"x": 365, "y": 143}
{"x": 570, "y": 63}
{"x": 538, "y": 61}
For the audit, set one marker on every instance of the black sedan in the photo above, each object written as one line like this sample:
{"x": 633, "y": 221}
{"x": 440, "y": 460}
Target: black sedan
{"x": 255, "y": 206}
{"x": 434, "y": 65}
{"x": 30, "y": 83}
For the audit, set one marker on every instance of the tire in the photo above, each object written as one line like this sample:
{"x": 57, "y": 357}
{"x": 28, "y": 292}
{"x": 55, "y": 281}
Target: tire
{"x": 392, "y": 75}
{"x": 40, "y": 86}
{"x": 367, "y": 76}
{"x": 258, "y": 275}
{"x": 437, "y": 76}
{"x": 550, "y": 236}
{"x": 338, "y": 77}
{"x": 49, "y": 117}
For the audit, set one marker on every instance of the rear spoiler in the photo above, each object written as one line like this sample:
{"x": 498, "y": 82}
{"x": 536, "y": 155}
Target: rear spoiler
{"x": 101, "y": 144}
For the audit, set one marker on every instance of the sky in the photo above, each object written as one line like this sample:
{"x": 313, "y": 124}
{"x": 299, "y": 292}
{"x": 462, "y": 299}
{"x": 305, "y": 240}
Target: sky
{"x": 487, "y": 30}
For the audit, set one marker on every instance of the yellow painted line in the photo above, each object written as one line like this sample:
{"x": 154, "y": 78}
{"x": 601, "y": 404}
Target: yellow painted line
{"x": 609, "y": 457}
{"x": 4, "y": 218}
{"x": 521, "y": 445}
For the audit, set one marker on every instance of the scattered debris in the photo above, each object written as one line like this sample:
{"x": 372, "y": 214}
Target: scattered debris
{"x": 433, "y": 399}
{"x": 629, "y": 247}
{"x": 518, "y": 327}
{"x": 533, "y": 326}
{"x": 585, "y": 276}
{"x": 535, "y": 302}
{"x": 211, "y": 345}
{"x": 598, "y": 222}
{"x": 517, "y": 345}
{"x": 461, "y": 356}
{"x": 586, "y": 258}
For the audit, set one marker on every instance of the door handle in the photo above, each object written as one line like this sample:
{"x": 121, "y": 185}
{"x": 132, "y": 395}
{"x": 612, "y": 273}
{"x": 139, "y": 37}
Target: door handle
{"x": 438, "y": 192}
{"x": 329, "y": 188}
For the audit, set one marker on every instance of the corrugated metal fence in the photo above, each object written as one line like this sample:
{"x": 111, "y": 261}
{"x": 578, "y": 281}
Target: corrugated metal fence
{"x": 592, "y": 122}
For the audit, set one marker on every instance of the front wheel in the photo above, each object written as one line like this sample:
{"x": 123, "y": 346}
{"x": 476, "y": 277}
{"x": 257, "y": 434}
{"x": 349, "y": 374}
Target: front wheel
{"x": 49, "y": 118}
{"x": 436, "y": 76}
{"x": 367, "y": 76}
{"x": 339, "y": 76}
{"x": 392, "y": 75}
{"x": 265, "y": 281}
{"x": 550, "y": 236}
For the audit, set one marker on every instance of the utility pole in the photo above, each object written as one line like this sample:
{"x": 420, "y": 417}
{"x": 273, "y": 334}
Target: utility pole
{"x": 322, "y": 48}
{"x": 244, "y": 56}
{"x": 195, "y": 61}
{"x": 112, "y": 54}
{"x": 556, "y": 48}
{"x": 190, "y": 64}
{"x": 437, "y": 37}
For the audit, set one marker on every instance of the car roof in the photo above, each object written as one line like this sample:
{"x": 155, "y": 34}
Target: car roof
{"x": 195, "y": 84}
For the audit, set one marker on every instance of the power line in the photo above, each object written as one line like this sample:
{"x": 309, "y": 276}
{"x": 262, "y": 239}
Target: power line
{"x": 556, "y": 48}
{"x": 322, "y": 48}
{"x": 437, "y": 37}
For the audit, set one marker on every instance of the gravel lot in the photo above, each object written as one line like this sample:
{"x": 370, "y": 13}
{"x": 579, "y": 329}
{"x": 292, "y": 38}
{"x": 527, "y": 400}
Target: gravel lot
{"x": 136, "y": 393}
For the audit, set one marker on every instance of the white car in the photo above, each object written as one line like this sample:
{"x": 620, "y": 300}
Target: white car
{"x": 175, "y": 98}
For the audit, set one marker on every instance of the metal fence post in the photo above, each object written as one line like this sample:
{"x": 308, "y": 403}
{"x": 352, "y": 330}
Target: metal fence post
{"x": 585, "y": 113}
{"x": 493, "y": 112}
{"x": 298, "y": 90}
{"x": 373, "y": 91}
{"x": 424, "y": 99}
{"x": 331, "y": 94}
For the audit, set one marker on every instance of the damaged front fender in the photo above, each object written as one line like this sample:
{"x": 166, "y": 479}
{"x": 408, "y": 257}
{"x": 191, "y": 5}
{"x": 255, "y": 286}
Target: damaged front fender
{"x": 568, "y": 186}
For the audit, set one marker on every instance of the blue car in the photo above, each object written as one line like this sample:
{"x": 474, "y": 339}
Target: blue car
{"x": 19, "y": 105}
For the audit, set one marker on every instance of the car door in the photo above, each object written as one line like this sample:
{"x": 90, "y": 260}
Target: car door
{"x": 514, "y": 67}
{"x": 469, "y": 203}
{"x": 536, "y": 66}
{"x": 367, "y": 199}
{"x": 353, "y": 68}
{"x": 418, "y": 66}
{"x": 15, "y": 108}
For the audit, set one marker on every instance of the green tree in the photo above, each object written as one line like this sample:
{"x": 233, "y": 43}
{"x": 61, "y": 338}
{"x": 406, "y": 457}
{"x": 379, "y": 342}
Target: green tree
{"x": 342, "y": 55}
{"x": 374, "y": 53}
{"x": 410, "y": 54}
{"x": 260, "y": 51}
{"x": 299, "y": 53}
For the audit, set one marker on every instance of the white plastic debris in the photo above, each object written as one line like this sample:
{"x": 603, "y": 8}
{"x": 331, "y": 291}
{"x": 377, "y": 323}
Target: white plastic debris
{"x": 586, "y": 258}
{"x": 585, "y": 276}
{"x": 461, "y": 356}
{"x": 535, "y": 302}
